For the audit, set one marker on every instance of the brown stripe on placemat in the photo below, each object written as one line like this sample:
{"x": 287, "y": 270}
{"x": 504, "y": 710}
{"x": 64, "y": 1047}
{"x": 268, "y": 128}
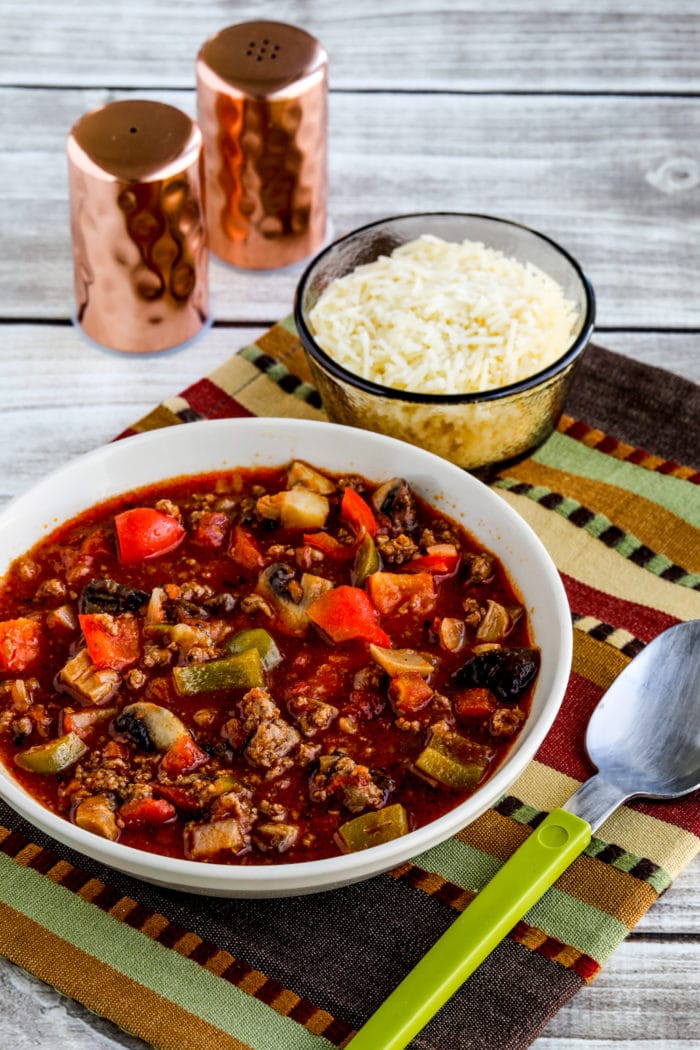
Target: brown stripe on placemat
{"x": 659, "y": 410}
{"x": 620, "y": 639}
{"x": 129, "y": 1004}
{"x": 556, "y": 951}
{"x": 171, "y": 935}
{"x": 616, "y": 518}
{"x": 611, "y": 446}
{"x": 530, "y": 937}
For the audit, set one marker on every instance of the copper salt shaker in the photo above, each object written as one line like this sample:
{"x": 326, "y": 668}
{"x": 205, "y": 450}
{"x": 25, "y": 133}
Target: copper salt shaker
{"x": 139, "y": 245}
{"x": 262, "y": 105}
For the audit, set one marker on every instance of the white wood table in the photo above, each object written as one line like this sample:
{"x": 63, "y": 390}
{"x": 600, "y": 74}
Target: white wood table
{"x": 580, "y": 120}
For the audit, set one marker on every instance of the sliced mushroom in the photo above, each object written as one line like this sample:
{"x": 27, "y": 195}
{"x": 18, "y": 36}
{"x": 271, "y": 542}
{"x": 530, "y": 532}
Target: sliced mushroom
{"x": 289, "y": 597}
{"x": 155, "y": 613}
{"x": 451, "y": 633}
{"x": 495, "y": 624}
{"x": 303, "y": 476}
{"x": 149, "y": 726}
{"x": 63, "y": 618}
{"x": 275, "y": 837}
{"x": 395, "y": 500}
{"x": 108, "y": 596}
{"x": 401, "y": 661}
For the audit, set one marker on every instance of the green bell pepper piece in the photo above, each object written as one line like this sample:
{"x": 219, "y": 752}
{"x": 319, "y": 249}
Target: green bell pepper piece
{"x": 373, "y": 828}
{"x": 239, "y": 671}
{"x": 453, "y": 760}
{"x": 366, "y": 560}
{"x": 255, "y": 638}
{"x": 54, "y": 756}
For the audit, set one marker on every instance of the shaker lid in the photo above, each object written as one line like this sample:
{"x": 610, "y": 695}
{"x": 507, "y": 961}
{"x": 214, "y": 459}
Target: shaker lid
{"x": 263, "y": 58}
{"x": 136, "y": 140}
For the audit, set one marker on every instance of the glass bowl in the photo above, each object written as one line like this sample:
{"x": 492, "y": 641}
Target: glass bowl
{"x": 477, "y": 431}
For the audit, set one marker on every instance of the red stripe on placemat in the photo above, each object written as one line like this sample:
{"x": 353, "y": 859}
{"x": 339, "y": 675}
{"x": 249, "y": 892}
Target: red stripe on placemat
{"x": 563, "y": 750}
{"x": 562, "y": 747}
{"x": 640, "y": 620}
{"x": 682, "y": 814}
{"x": 211, "y": 401}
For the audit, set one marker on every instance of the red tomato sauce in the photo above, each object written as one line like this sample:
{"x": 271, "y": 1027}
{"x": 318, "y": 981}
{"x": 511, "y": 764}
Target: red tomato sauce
{"x": 273, "y": 765}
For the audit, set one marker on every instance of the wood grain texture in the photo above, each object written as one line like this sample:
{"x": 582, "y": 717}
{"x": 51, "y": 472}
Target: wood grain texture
{"x": 581, "y": 120}
{"x": 594, "y": 177}
{"x": 43, "y": 424}
{"x": 505, "y": 45}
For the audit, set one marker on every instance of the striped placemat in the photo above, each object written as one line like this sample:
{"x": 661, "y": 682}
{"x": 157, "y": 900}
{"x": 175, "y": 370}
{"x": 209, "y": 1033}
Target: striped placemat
{"x": 614, "y": 496}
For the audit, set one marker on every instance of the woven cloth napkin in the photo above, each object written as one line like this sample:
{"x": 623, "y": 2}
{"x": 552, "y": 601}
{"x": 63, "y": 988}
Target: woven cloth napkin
{"x": 612, "y": 496}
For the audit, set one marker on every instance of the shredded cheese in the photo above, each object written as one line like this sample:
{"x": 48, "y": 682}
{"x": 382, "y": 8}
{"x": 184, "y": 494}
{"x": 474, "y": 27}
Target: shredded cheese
{"x": 444, "y": 318}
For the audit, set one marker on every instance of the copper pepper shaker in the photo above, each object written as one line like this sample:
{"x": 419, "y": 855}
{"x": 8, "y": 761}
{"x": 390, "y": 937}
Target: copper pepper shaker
{"x": 137, "y": 221}
{"x": 262, "y": 105}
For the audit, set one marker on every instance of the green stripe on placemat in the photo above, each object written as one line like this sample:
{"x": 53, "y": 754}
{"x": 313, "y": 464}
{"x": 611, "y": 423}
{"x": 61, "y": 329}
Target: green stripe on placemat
{"x": 155, "y": 967}
{"x": 570, "y": 456}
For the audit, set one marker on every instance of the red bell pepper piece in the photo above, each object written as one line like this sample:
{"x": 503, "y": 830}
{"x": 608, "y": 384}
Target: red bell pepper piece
{"x": 20, "y": 643}
{"x": 151, "y": 811}
{"x": 358, "y": 514}
{"x": 245, "y": 551}
{"x": 409, "y": 693}
{"x": 112, "y": 641}
{"x": 413, "y": 592}
{"x": 474, "y": 703}
{"x": 144, "y": 533}
{"x": 183, "y": 757}
{"x": 438, "y": 562}
{"x": 210, "y": 530}
{"x": 346, "y": 613}
{"x": 329, "y": 545}
{"x": 180, "y": 797}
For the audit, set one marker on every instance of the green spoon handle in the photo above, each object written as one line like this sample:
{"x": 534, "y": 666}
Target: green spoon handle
{"x": 520, "y": 882}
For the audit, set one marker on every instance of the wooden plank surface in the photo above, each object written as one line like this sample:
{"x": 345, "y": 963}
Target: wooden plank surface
{"x": 581, "y": 120}
{"x": 117, "y": 389}
{"x": 548, "y": 162}
{"x": 502, "y": 45}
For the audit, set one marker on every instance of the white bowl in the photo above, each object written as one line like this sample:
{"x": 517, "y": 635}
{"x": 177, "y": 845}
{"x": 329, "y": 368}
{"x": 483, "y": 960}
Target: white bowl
{"x": 224, "y": 444}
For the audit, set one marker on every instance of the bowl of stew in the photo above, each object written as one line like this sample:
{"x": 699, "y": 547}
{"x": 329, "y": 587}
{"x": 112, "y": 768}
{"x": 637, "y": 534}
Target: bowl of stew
{"x": 264, "y": 657}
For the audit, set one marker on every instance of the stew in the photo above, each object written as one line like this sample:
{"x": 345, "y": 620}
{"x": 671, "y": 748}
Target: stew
{"x": 259, "y": 665}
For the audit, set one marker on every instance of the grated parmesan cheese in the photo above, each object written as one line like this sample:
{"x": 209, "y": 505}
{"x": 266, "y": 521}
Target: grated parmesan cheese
{"x": 444, "y": 318}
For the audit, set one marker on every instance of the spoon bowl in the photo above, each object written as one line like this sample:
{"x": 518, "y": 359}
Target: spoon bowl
{"x": 644, "y": 735}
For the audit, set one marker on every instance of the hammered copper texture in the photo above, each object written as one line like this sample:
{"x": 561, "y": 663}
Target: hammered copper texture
{"x": 139, "y": 246}
{"x": 262, "y": 106}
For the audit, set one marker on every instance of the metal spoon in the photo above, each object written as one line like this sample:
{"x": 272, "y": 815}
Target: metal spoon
{"x": 644, "y": 738}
